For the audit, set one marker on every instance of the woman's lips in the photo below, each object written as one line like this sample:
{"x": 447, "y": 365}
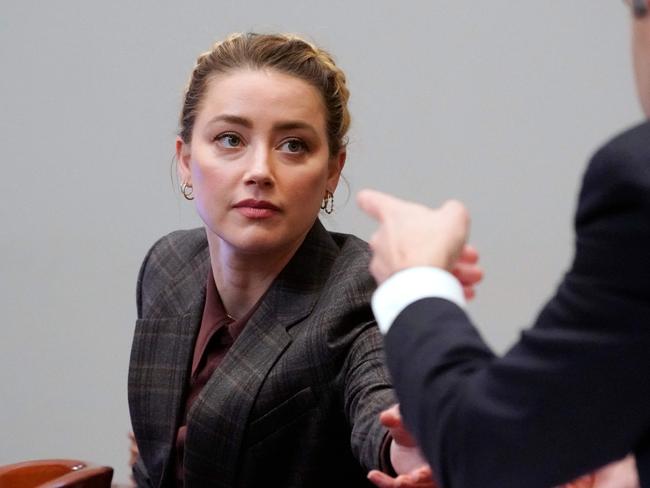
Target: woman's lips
{"x": 256, "y": 209}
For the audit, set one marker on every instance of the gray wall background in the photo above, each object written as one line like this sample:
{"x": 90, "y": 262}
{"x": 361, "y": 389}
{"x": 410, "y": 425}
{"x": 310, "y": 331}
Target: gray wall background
{"x": 498, "y": 103}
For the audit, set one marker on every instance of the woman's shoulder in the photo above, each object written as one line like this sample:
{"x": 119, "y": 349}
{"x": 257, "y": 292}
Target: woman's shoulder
{"x": 175, "y": 250}
{"x": 182, "y": 243}
{"x": 351, "y": 247}
{"x": 179, "y": 255}
{"x": 349, "y": 274}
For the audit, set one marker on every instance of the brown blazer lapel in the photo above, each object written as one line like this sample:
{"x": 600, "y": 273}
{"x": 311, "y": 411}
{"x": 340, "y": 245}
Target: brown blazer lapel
{"x": 220, "y": 415}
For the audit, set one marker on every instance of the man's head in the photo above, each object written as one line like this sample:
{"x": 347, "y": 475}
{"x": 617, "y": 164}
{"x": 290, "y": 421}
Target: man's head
{"x": 641, "y": 50}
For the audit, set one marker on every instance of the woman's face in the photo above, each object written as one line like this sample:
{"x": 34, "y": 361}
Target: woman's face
{"x": 258, "y": 160}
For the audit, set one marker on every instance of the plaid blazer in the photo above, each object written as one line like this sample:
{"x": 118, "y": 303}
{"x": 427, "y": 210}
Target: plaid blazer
{"x": 295, "y": 401}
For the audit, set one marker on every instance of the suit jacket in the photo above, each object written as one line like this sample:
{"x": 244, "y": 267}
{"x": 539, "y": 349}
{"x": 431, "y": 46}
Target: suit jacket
{"x": 574, "y": 393}
{"x": 295, "y": 401}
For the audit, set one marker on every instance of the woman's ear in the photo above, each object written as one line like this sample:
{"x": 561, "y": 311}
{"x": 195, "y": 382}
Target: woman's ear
{"x": 335, "y": 168}
{"x": 183, "y": 161}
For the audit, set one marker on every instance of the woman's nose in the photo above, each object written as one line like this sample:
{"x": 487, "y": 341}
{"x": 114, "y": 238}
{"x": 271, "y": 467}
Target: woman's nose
{"x": 260, "y": 169}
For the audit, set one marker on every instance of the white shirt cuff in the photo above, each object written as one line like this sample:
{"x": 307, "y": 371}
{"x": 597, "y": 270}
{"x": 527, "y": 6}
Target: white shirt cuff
{"x": 410, "y": 285}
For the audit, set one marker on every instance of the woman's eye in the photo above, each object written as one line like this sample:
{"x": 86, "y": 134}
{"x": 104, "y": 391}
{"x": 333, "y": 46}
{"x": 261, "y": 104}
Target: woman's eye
{"x": 293, "y": 146}
{"x": 229, "y": 140}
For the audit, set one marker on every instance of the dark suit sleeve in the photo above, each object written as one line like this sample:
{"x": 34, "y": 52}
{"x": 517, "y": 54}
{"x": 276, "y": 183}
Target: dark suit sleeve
{"x": 574, "y": 392}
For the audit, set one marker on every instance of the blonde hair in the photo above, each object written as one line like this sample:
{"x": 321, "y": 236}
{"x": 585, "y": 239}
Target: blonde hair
{"x": 285, "y": 53}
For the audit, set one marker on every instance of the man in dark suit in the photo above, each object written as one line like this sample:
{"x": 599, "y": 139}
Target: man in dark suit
{"x": 574, "y": 393}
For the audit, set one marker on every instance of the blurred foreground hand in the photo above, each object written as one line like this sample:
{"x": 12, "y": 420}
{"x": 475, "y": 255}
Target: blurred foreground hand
{"x": 411, "y": 234}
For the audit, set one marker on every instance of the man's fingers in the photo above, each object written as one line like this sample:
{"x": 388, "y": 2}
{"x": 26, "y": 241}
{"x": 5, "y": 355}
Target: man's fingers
{"x": 375, "y": 203}
{"x": 467, "y": 274}
{"x": 468, "y": 271}
{"x": 619, "y": 474}
{"x": 374, "y": 241}
{"x": 582, "y": 482}
{"x": 457, "y": 209}
{"x": 469, "y": 254}
{"x": 382, "y": 480}
{"x": 370, "y": 202}
{"x": 423, "y": 474}
{"x": 419, "y": 478}
{"x": 377, "y": 270}
{"x": 391, "y": 417}
{"x": 469, "y": 292}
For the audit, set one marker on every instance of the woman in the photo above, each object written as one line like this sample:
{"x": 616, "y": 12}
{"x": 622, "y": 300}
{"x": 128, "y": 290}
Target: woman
{"x": 256, "y": 360}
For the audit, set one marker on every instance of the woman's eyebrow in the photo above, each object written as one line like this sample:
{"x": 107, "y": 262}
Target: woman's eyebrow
{"x": 280, "y": 126}
{"x": 291, "y": 125}
{"x": 232, "y": 119}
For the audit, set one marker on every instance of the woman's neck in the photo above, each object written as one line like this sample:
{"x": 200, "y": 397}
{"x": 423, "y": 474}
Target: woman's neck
{"x": 242, "y": 278}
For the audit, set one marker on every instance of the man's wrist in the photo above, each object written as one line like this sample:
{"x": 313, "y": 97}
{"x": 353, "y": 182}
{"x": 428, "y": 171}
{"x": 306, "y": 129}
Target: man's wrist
{"x": 410, "y": 285}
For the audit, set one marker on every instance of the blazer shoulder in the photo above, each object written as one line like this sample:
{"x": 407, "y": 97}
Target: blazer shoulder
{"x": 624, "y": 158}
{"x": 180, "y": 245}
{"x": 168, "y": 258}
{"x": 613, "y": 230}
{"x": 634, "y": 138}
{"x": 351, "y": 248}
{"x": 349, "y": 285}
{"x": 618, "y": 176}
{"x": 353, "y": 258}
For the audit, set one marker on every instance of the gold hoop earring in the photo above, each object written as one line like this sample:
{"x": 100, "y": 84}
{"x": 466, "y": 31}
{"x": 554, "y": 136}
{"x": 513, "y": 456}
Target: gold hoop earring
{"x": 187, "y": 191}
{"x": 328, "y": 203}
